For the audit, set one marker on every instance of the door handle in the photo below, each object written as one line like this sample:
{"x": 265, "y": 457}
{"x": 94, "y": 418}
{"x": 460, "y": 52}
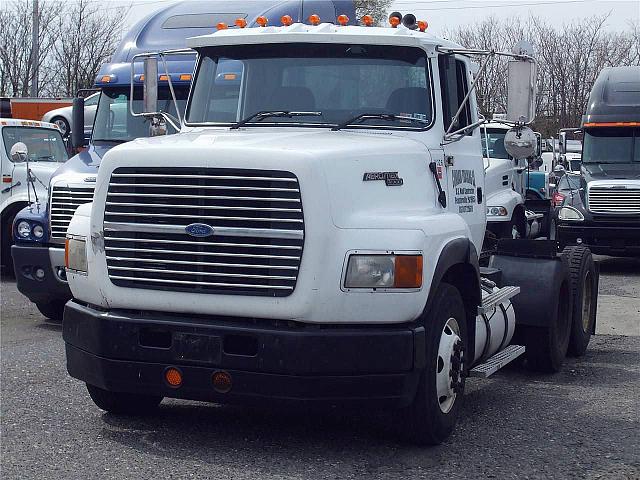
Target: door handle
{"x": 479, "y": 193}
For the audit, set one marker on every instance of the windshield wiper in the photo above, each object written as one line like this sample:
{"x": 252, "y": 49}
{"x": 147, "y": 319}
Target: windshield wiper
{"x": 382, "y": 116}
{"x": 273, "y": 113}
{"x": 113, "y": 140}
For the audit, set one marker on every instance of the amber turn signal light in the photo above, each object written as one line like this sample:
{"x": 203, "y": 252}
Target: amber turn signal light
{"x": 221, "y": 382}
{"x": 408, "y": 271}
{"x": 173, "y": 377}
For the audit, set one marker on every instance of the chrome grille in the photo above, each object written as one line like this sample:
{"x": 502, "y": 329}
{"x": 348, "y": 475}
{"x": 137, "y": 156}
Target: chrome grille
{"x": 257, "y": 221}
{"x": 65, "y": 199}
{"x": 614, "y": 200}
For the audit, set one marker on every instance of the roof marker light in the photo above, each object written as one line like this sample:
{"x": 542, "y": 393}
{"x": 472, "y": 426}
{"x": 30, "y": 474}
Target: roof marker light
{"x": 422, "y": 25}
{"x": 367, "y": 20}
{"x": 612, "y": 124}
{"x": 394, "y": 21}
{"x": 106, "y": 79}
{"x": 185, "y": 77}
{"x": 142, "y": 77}
{"x": 343, "y": 20}
{"x": 262, "y": 21}
{"x": 164, "y": 78}
{"x": 286, "y": 20}
{"x": 222, "y": 26}
{"x": 241, "y": 23}
{"x": 314, "y": 19}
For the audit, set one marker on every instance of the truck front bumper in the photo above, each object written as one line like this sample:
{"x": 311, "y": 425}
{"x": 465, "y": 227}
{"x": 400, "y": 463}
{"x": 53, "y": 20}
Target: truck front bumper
{"x": 268, "y": 361}
{"x": 604, "y": 239}
{"x": 52, "y": 287}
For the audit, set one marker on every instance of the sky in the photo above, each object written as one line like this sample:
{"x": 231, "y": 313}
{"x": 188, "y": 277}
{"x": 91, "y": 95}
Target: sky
{"x": 444, "y": 15}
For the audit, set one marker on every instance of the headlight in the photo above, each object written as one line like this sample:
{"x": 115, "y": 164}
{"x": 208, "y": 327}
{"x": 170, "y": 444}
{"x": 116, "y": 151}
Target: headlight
{"x": 38, "y": 231}
{"x": 570, "y": 214}
{"x": 75, "y": 254}
{"x": 384, "y": 271}
{"x": 497, "y": 212}
{"x": 23, "y": 229}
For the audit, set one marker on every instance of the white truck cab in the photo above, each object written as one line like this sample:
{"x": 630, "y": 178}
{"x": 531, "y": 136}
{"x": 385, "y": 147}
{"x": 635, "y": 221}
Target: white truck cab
{"x": 46, "y": 151}
{"x": 311, "y": 235}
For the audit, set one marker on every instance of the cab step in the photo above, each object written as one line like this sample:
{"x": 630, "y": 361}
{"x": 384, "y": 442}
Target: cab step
{"x": 495, "y": 363}
{"x": 496, "y": 298}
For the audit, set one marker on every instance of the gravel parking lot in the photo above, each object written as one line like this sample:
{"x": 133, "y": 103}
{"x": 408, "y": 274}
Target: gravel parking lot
{"x": 581, "y": 423}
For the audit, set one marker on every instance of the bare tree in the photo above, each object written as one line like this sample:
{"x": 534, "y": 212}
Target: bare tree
{"x": 16, "y": 48}
{"x": 569, "y": 60}
{"x": 88, "y": 36}
{"x": 376, "y": 8}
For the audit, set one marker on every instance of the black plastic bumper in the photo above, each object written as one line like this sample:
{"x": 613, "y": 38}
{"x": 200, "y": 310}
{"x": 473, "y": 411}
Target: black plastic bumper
{"x": 606, "y": 239}
{"x": 267, "y": 361}
{"x": 26, "y": 259}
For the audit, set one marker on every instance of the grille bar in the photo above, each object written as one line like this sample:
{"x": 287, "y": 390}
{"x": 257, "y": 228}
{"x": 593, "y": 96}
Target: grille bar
{"x": 254, "y": 246}
{"x": 64, "y": 201}
{"x": 613, "y": 200}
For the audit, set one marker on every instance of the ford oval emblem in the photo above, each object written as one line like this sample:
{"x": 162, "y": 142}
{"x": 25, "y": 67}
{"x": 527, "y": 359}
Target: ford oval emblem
{"x": 199, "y": 230}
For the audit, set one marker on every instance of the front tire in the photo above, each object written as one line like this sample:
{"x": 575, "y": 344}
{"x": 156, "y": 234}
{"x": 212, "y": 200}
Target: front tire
{"x": 122, "y": 403}
{"x": 585, "y": 296}
{"x": 432, "y": 416}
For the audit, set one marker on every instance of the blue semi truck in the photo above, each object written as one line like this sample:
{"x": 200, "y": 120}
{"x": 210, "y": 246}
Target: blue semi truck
{"x": 39, "y": 260}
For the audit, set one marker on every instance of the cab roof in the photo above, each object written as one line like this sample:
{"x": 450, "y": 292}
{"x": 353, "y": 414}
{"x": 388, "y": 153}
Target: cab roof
{"x": 323, "y": 33}
{"x": 17, "y": 122}
{"x": 615, "y": 97}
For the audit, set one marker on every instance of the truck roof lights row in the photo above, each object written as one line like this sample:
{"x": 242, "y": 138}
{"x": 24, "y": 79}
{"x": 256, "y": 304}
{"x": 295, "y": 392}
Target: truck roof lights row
{"x": 367, "y": 20}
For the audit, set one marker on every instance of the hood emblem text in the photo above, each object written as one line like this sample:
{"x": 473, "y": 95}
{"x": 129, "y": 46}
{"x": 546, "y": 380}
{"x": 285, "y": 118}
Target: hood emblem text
{"x": 199, "y": 230}
{"x": 391, "y": 179}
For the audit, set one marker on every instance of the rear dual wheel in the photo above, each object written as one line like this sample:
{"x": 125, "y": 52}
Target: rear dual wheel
{"x": 584, "y": 285}
{"x": 432, "y": 415}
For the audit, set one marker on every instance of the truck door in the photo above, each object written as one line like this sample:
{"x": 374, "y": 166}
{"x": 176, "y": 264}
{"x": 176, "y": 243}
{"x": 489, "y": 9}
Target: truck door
{"x": 463, "y": 158}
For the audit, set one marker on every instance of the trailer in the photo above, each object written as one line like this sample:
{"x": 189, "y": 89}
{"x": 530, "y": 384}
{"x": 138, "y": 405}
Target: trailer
{"x": 312, "y": 235}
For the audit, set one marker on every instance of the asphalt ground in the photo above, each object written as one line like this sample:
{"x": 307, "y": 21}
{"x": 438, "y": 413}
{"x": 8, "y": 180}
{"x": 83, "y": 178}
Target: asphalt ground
{"x": 583, "y": 422}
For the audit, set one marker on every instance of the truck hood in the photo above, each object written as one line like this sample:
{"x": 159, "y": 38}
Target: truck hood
{"x": 86, "y": 161}
{"x": 335, "y": 162}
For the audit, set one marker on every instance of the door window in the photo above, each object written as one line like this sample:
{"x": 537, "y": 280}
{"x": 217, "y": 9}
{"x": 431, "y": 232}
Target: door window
{"x": 454, "y": 83}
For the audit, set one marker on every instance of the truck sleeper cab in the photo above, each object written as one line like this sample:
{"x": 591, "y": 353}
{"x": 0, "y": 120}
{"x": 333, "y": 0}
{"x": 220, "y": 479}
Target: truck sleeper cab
{"x": 604, "y": 212}
{"x": 302, "y": 238}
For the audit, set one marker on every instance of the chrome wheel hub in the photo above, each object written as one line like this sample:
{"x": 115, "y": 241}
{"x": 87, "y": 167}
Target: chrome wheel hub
{"x": 449, "y": 365}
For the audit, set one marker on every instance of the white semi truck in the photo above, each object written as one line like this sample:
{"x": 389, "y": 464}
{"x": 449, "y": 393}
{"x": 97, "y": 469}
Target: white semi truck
{"x": 312, "y": 235}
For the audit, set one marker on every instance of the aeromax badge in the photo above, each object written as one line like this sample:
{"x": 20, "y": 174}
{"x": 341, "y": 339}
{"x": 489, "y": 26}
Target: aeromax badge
{"x": 391, "y": 179}
{"x": 199, "y": 230}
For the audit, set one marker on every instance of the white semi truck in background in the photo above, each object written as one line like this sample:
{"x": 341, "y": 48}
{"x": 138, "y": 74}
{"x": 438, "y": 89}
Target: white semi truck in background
{"x": 313, "y": 234}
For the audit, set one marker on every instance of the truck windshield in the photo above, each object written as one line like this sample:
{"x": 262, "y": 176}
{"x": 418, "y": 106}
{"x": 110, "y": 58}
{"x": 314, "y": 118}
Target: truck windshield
{"x": 43, "y": 144}
{"x": 493, "y": 144}
{"x": 114, "y": 122}
{"x": 339, "y": 81}
{"x": 611, "y": 145}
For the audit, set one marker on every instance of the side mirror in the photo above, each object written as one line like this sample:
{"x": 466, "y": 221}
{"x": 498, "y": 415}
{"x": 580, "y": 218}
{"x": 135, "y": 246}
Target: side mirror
{"x": 77, "y": 123}
{"x": 19, "y": 152}
{"x": 150, "y": 89}
{"x": 520, "y": 142}
{"x": 521, "y": 91}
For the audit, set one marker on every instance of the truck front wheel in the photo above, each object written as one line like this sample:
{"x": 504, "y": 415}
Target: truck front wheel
{"x": 123, "y": 403}
{"x": 432, "y": 415}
